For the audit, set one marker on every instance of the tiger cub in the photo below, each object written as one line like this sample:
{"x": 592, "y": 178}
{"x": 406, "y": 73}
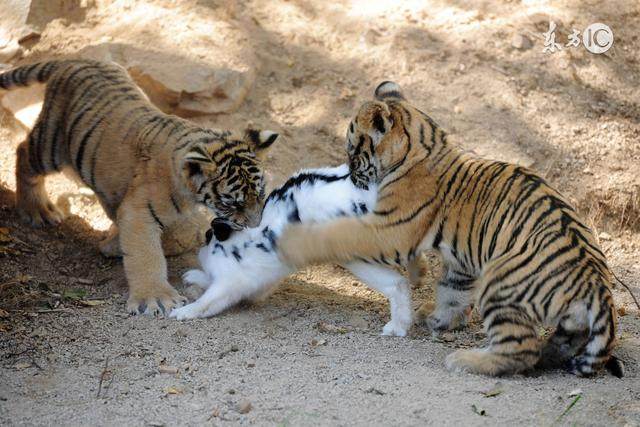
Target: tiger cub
{"x": 147, "y": 168}
{"x": 505, "y": 237}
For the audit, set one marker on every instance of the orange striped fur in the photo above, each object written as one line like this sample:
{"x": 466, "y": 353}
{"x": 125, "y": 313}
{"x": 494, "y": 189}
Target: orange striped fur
{"x": 509, "y": 242}
{"x": 147, "y": 168}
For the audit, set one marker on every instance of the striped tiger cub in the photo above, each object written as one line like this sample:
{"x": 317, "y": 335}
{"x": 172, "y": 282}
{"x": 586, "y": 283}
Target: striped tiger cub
{"x": 147, "y": 168}
{"x": 509, "y": 242}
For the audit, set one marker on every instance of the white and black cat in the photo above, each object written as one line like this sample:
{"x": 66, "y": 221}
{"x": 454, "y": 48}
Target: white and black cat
{"x": 240, "y": 265}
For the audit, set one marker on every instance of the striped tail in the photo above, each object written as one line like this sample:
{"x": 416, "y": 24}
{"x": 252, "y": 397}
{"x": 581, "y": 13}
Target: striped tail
{"x": 28, "y": 74}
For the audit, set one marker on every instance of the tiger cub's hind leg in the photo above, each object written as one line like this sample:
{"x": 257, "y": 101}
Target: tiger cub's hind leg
{"x": 32, "y": 202}
{"x": 566, "y": 341}
{"x": 601, "y": 339}
{"x": 513, "y": 346}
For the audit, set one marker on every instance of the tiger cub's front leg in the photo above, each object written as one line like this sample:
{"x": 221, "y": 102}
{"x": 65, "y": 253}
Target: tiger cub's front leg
{"x": 144, "y": 263}
{"x": 453, "y": 302}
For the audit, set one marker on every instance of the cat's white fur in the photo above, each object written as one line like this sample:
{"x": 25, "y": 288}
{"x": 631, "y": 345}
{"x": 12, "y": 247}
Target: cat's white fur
{"x": 246, "y": 266}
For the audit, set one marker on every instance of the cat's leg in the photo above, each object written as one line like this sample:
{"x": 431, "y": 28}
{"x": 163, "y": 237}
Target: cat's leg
{"x": 228, "y": 289}
{"x": 218, "y": 297}
{"x": 453, "y": 302}
{"x": 392, "y": 285}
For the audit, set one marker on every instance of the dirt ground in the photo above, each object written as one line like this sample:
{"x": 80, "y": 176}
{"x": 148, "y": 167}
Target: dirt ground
{"x": 311, "y": 354}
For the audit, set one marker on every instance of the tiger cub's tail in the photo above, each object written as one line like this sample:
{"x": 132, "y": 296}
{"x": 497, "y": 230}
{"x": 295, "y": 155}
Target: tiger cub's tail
{"x": 28, "y": 74}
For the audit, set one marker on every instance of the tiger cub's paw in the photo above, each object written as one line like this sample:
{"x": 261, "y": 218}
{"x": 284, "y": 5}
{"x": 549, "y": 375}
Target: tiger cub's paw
{"x": 443, "y": 319}
{"x": 475, "y": 361}
{"x": 40, "y": 214}
{"x": 157, "y": 301}
{"x": 110, "y": 247}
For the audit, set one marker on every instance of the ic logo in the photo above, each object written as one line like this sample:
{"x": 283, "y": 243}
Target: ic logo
{"x": 597, "y": 38}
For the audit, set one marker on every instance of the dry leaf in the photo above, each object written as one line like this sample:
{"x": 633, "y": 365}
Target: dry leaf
{"x": 173, "y": 390}
{"x": 164, "y": 369}
{"x": 317, "y": 343}
{"x": 92, "y": 302}
{"x": 576, "y": 392}
{"x": 3, "y": 314}
{"x": 22, "y": 365}
{"x": 494, "y": 391}
{"x": 327, "y": 327}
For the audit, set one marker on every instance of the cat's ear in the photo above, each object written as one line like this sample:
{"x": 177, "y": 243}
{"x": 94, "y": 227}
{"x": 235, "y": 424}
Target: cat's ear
{"x": 260, "y": 140}
{"x": 388, "y": 90}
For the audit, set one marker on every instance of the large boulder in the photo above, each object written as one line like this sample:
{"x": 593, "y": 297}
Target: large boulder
{"x": 190, "y": 58}
{"x": 22, "y": 21}
{"x": 177, "y": 82}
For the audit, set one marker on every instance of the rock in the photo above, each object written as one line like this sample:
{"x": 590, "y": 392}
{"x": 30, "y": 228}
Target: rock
{"x": 604, "y": 236}
{"x": 21, "y": 18}
{"x": 189, "y": 59}
{"x": 244, "y": 406}
{"x": 177, "y": 84}
{"x": 521, "y": 42}
{"x": 24, "y": 103}
{"x": 11, "y": 50}
{"x": 447, "y": 337}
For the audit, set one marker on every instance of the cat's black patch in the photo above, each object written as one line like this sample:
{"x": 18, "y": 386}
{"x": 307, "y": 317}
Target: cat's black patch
{"x": 270, "y": 236}
{"x": 217, "y": 247}
{"x": 236, "y": 253}
{"x": 294, "y": 216}
{"x": 298, "y": 180}
{"x": 262, "y": 247}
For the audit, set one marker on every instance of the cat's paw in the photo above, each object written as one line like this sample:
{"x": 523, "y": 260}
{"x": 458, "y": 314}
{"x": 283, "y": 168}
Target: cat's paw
{"x": 189, "y": 311}
{"x": 197, "y": 277}
{"x": 394, "y": 329}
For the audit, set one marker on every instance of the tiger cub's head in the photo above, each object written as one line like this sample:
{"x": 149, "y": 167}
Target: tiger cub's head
{"x": 380, "y": 137}
{"x": 226, "y": 175}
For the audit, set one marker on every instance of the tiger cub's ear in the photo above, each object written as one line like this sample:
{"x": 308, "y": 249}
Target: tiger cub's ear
{"x": 375, "y": 118}
{"x": 387, "y": 90}
{"x": 260, "y": 140}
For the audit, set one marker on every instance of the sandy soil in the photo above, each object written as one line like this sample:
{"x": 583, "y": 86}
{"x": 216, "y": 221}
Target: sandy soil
{"x": 311, "y": 353}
